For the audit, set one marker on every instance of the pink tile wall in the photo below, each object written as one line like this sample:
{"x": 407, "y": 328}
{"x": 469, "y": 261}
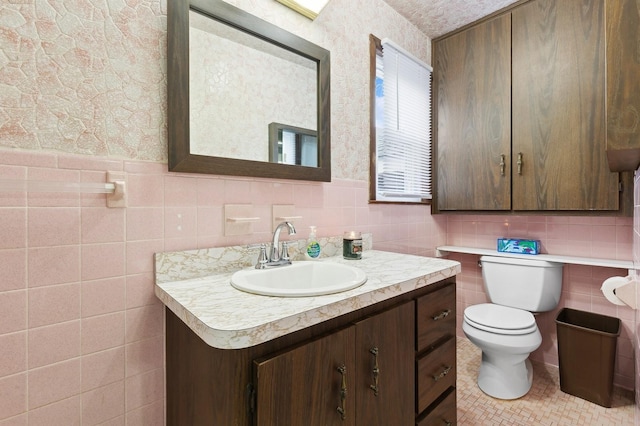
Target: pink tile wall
{"x": 81, "y": 331}
{"x": 601, "y": 237}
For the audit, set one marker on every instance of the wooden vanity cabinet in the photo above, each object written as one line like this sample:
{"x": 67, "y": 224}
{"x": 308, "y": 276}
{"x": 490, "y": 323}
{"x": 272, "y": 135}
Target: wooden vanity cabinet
{"x": 521, "y": 112}
{"x": 305, "y": 385}
{"x": 361, "y": 375}
{"x": 436, "y": 357}
{"x": 298, "y": 378}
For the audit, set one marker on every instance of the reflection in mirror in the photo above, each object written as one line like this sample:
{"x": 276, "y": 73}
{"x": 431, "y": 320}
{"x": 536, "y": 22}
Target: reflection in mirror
{"x": 283, "y": 89}
{"x": 220, "y": 106}
{"x": 293, "y": 145}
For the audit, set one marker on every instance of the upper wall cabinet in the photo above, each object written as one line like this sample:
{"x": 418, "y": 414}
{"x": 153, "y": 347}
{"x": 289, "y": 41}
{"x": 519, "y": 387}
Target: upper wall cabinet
{"x": 520, "y": 113}
{"x": 623, "y": 84}
{"x": 472, "y": 98}
{"x": 558, "y": 108}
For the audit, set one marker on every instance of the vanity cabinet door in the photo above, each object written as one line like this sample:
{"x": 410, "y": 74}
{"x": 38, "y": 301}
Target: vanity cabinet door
{"x": 385, "y": 375}
{"x": 308, "y": 385}
{"x": 372, "y": 362}
{"x": 558, "y": 101}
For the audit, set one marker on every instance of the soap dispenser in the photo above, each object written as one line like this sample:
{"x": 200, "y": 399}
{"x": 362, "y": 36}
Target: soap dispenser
{"x": 313, "y": 247}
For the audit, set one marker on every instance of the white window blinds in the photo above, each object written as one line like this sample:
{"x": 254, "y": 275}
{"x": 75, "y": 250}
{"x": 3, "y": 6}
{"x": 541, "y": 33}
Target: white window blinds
{"x": 288, "y": 147}
{"x": 404, "y": 152}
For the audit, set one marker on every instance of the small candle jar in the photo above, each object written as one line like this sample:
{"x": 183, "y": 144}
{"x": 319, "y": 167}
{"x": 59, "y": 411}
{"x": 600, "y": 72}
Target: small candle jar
{"x": 352, "y": 245}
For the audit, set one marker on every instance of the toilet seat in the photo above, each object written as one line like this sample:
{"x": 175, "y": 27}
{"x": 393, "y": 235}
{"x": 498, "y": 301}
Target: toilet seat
{"x": 500, "y": 319}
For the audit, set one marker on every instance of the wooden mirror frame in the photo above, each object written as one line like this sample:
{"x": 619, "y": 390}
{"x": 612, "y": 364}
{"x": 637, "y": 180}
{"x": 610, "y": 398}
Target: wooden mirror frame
{"x": 179, "y": 152}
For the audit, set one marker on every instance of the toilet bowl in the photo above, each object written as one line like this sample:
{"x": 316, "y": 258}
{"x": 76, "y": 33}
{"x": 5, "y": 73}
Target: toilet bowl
{"x": 506, "y": 337}
{"x": 505, "y": 329}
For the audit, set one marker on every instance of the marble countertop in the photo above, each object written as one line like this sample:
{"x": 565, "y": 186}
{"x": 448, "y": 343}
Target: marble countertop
{"x": 227, "y": 318}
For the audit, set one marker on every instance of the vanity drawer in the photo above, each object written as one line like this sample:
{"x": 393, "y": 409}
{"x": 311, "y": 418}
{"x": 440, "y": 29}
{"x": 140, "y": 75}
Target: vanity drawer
{"x": 436, "y": 373}
{"x": 444, "y": 413}
{"x": 436, "y": 317}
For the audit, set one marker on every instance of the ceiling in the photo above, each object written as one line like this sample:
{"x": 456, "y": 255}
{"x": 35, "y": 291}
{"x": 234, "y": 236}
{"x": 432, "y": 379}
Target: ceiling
{"x": 438, "y": 17}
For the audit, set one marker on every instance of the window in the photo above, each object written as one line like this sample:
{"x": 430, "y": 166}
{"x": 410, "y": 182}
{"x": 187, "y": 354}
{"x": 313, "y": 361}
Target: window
{"x": 401, "y": 125}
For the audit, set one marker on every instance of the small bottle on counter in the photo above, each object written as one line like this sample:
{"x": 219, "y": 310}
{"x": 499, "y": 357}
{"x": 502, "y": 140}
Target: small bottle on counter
{"x": 352, "y": 245}
{"x": 313, "y": 249}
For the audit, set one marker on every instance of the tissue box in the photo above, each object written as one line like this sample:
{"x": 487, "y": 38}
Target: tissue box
{"x": 514, "y": 245}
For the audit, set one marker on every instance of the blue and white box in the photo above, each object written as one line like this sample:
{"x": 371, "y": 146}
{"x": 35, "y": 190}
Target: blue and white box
{"x": 519, "y": 246}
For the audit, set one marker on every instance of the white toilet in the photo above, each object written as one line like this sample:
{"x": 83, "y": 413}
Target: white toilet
{"x": 505, "y": 330}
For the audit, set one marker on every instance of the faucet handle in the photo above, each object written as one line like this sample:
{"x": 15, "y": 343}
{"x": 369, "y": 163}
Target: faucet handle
{"x": 262, "y": 257}
{"x": 284, "y": 255}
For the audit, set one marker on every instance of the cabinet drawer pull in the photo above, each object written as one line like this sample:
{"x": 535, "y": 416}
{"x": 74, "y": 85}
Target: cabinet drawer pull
{"x": 519, "y": 163}
{"x": 447, "y": 423}
{"x": 502, "y": 164}
{"x": 442, "y": 374}
{"x": 376, "y": 371}
{"x": 342, "y": 409}
{"x": 442, "y": 315}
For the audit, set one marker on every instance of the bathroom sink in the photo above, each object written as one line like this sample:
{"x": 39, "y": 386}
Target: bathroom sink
{"x": 305, "y": 278}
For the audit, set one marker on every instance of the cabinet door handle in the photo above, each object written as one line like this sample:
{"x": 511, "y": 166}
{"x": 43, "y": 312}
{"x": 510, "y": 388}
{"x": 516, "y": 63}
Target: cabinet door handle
{"x": 442, "y": 315}
{"x": 446, "y": 422}
{"x": 376, "y": 371}
{"x": 342, "y": 408}
{"x": 502, "y": 164}
{"x": 442, "y": 373}
{"x": 519, "y": 163}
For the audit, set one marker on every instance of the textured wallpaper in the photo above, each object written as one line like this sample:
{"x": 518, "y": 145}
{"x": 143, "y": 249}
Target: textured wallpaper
{"x": 84, "y": 77}
{"x": 438, "y": 17}
{"x": 89, "y": 77}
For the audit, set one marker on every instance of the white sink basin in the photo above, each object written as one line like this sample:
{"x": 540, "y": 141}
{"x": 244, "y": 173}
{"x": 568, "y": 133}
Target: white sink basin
{"x": 299, "y": 279}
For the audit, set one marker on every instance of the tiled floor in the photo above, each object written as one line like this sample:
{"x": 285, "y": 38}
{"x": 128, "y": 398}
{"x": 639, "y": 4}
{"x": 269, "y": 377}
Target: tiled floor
{"x": 545, "y": 404}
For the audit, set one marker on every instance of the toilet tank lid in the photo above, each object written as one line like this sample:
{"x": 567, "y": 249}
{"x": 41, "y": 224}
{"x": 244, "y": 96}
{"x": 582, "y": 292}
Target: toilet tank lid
{"x": 525, "y": 261}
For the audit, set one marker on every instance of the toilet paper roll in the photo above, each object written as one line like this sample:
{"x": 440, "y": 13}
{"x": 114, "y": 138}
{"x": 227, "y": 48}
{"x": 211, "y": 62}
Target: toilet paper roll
{"x": 609, "y": 287}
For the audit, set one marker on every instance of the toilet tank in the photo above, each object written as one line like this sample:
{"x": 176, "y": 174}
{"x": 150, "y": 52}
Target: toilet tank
{"x": 529, "y": 284}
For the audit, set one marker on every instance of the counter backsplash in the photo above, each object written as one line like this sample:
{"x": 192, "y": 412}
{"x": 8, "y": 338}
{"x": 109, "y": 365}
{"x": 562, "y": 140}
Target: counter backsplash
{"x": 184, "y": 265}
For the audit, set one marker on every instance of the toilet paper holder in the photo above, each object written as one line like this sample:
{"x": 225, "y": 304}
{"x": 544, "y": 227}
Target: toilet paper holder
{"x": 621, "y": 290}
{"x": 627, "y": 293}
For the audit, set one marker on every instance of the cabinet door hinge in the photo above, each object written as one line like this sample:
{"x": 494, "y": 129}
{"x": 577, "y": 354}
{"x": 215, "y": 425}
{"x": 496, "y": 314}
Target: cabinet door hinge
{"x": 251, "y": 398}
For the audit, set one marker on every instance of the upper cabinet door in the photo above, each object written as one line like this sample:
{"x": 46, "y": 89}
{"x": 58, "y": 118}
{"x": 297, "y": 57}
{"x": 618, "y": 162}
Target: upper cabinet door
{"x": 558, "y": 101}
{"x": 472, "y": 91}
{"x": 623, "y": 84}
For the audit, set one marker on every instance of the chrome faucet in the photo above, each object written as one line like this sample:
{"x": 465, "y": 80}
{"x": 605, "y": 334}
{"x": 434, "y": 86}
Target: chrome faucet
{"x": 277, "y": 257}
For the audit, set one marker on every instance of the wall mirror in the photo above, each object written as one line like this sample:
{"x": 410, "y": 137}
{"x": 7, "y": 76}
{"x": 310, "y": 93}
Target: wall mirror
{"x": 234, "y": 80}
